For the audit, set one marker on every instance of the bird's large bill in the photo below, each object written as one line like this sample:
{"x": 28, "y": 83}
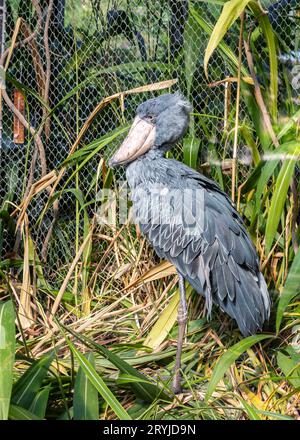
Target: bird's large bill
{"x": 140, "y": 139}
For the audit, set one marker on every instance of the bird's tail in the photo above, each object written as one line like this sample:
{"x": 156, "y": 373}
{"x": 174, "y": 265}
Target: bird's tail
{"x": 251, "y": 305}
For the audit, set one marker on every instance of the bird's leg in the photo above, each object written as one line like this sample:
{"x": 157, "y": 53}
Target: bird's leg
{"x": 182, "y": 320}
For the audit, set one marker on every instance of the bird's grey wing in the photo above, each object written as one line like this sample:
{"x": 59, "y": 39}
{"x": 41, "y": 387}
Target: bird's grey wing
{"x": 214, "y": 254}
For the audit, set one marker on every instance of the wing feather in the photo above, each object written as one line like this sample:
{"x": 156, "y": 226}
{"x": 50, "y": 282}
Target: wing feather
{"x": 216, "y": 255}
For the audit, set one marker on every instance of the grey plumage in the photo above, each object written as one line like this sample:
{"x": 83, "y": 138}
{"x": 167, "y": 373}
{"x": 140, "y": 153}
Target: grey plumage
{"x": 219, "y": 261}
{"x": 216, "y": 256}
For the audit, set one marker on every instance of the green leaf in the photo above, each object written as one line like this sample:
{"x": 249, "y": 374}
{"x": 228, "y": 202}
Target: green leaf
{"x": 266, "y": 169}
{"x": 291, "y": 148}
{"x": 66, "y": 415}
{"x": 85, "y": 401}
{"x": 266, "y": 172}
{"x": 268, "y": 32}
{"x": 95, "y": 146}
{"x": 29, "y": 384}
{"x": 279, "y": 197}
{"x": 191, "y": 147}
{"x": 7, "y": 355}
{"x": 146, "y": 391}
{"x": 252, "y": 180}
{"x": 250, "y": 410}
{"x": 290, "y": 367}
{"x": 230, "y": 13}
{"x": 276, "y": 416}
{"x": 19, "y": 413}
{"x": 39, "y": 404}
{"x": 213, "y": 2}
{"x": 99, "y": 384}
{"x": 290, "y": 290}
{"x": 231, "y": 57}
{"x": 256, "y": 116}
{"x": 289, "y": 125}
{"x": 127, "y": 378}
{"x": 165, "y": 322}
{"x": 227, "y": 360}
{"x": 246, "y": 133}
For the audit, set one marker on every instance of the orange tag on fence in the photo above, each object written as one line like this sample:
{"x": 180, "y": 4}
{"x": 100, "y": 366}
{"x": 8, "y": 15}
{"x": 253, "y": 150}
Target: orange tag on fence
{"x": 19, "y": 135}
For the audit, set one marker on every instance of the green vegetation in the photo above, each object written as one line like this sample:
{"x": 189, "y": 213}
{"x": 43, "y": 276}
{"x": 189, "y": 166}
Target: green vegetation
{"x": 89, "y": 330}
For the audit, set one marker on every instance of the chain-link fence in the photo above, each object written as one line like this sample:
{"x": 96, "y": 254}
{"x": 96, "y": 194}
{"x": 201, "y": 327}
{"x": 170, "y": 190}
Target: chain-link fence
{"x": 71, "y": 53}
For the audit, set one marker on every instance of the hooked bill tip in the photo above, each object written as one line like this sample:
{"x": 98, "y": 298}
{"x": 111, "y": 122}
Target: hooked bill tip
{"x": 112, "y": 163}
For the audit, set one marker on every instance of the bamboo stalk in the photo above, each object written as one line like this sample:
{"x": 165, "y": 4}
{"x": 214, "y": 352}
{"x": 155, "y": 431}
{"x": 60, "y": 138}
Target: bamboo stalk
{"x": 237, "y": 113}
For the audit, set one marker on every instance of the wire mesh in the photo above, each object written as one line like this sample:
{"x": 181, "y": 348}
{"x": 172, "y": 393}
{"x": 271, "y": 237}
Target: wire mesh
{"x": 97, "y": 48}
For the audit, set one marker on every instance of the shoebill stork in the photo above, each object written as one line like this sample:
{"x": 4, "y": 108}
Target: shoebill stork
{"x": 190, "y": 221}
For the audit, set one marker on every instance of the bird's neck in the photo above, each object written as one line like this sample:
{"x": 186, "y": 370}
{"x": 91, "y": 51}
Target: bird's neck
{"x": 146, "y": 168}
{"x": 153, "y": 154}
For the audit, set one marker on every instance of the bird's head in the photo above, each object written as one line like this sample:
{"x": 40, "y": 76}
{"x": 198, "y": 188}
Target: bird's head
{"x": 159, "y": 123}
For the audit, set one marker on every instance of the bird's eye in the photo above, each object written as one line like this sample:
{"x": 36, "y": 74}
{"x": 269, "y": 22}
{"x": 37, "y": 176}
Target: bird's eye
{"x": 150, "y": 118}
